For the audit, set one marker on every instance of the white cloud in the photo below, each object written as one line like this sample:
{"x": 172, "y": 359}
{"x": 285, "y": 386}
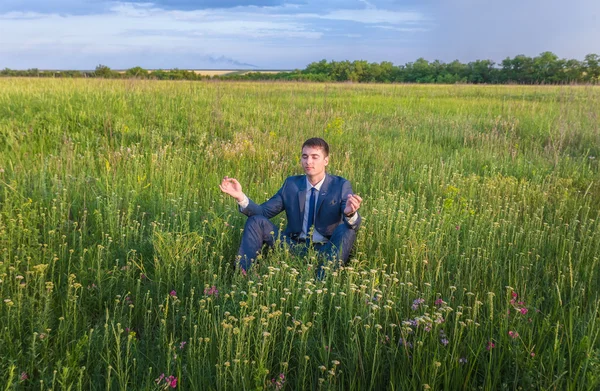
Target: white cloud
{"x": 375, "y": 16}
{"x": 127, "y": 32}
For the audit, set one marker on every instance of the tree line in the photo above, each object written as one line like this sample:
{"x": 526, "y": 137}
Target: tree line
{"x": 547, "y": 68}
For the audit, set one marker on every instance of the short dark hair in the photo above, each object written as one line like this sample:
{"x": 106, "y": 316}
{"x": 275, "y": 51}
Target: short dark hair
{"x": 317, "y": 142}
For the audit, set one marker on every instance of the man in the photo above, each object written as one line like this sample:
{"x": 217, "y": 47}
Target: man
{"x": 320, "y": 208}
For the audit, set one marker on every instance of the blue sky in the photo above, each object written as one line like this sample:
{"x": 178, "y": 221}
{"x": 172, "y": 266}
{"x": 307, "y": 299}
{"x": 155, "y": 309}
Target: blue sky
{"x": 287, "y": 34}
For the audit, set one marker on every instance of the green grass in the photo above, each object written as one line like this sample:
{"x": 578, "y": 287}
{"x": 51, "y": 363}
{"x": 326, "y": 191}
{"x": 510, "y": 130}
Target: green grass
{"x": 481, "y": 228}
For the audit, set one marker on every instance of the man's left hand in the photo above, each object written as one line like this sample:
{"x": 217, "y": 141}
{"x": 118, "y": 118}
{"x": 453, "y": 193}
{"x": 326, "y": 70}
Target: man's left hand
{"x": 352, "y": 204}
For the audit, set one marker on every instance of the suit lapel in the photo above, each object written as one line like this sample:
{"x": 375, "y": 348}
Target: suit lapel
{"x": 301, "y": 196}
{"x": 323, "y": 192}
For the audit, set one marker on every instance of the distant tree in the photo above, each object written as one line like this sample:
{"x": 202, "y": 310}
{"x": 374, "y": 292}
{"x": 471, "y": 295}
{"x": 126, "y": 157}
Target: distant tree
{"x": 361, "y": 71}
{"x": 518, "y": 69}
{"x": 591, "y": 63}
{"x": 389, "y": 72}
{"x": 137, "y": 72}
{"x": 103, "y": 71}
{"x": 341, "y": 70}
{"x": 8, "y": 72}
{"x": 573, "y": 71}
{"x": 419, "y": 72}
{"x": 482, "y": 71}
{"x": 458, "y": 70}
{"x": 546, "y": 68}
{"x": 318, "y": 68}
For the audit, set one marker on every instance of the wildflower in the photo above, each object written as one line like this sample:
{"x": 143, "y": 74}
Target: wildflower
{"x": 173, "y": 293}
{"x": 278, "y": 383}
{"x": 513, "y": 334}
{"x": 182, "y": 345}
{"x": 490, "y": 345}
{"x": 462, "y": 360}
{"x": 444, "y": 341}
{"x": 439, "y": 302}
{"x": 24, "y": 376}
{"x": 523, "y": 310}
{"x": 212, "y": 291}
{"x": 532, "y": 354}
{"x": 417, "y": 302}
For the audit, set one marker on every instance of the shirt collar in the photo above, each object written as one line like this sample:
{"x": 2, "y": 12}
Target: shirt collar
{"x": 317, "y": 186}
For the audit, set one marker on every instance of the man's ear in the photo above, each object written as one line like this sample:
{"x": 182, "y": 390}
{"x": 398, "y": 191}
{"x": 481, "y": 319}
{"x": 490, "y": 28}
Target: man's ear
{"x": 326, "y": 160}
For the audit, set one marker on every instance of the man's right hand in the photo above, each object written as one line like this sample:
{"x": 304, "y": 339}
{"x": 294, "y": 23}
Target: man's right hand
{"x": 232, "y": 187}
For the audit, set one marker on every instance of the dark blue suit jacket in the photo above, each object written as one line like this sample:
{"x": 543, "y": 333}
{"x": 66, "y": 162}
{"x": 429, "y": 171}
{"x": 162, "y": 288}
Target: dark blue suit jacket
{"x": 292, "y": 197}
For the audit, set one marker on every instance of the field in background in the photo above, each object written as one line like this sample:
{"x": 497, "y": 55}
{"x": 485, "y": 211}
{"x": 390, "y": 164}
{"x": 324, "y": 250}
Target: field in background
{"x": 220, "y": 72}
{"x": 476, "y": 266}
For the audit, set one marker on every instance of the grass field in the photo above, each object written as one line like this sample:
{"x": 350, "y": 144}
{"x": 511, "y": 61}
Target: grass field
{"x": 476, "y": 266}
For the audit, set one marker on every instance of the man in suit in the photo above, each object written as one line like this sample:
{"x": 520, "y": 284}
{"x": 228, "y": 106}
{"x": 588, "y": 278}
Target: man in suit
{"x": 321, "y": 211}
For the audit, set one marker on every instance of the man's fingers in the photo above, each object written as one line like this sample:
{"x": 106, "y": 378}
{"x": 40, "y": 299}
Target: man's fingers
{"x": 354, "y": 198}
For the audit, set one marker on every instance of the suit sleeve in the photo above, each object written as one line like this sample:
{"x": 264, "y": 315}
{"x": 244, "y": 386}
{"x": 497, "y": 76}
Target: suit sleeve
{"x": 355, "y": 221}
{"x": 270, "y": 208}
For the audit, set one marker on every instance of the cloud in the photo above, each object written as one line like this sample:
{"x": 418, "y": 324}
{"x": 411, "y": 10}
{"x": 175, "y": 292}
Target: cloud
{"x": 371, "y": 16}
{"x": 402, "y": 29}
{"x": 70, "y": 7}
{"x": 129, "y": 31}
{"x": 209, "y": 4}
{"x": 288, "y": 33}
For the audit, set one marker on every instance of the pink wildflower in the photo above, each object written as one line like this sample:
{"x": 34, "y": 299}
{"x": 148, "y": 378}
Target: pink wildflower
{"x": 173, "y": 293}
{"x": 513, "y": 334}
{"x": 523, "y": 310}
{"x": 24, "y": 376}
{"x": 212, "y": 291}
{"x": 490, "y": 345}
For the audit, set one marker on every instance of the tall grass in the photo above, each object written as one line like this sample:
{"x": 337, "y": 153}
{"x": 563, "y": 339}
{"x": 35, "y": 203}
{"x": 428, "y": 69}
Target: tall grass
{"x": 476, "y": 266}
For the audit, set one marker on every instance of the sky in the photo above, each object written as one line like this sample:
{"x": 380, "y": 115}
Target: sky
{"x": 287, "y": 34}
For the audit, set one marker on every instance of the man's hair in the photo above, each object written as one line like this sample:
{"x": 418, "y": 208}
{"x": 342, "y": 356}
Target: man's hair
{"x": 317, "y": 142}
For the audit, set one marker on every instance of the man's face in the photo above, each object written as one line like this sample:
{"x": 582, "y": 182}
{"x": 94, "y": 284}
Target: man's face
{"x": 314, "y": 161}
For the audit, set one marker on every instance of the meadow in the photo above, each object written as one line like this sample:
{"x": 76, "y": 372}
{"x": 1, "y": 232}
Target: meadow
{"x": 476, "y": 265}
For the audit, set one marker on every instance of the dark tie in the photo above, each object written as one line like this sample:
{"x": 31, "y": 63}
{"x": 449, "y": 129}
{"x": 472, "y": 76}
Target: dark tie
{"x": 311, "y": 211}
